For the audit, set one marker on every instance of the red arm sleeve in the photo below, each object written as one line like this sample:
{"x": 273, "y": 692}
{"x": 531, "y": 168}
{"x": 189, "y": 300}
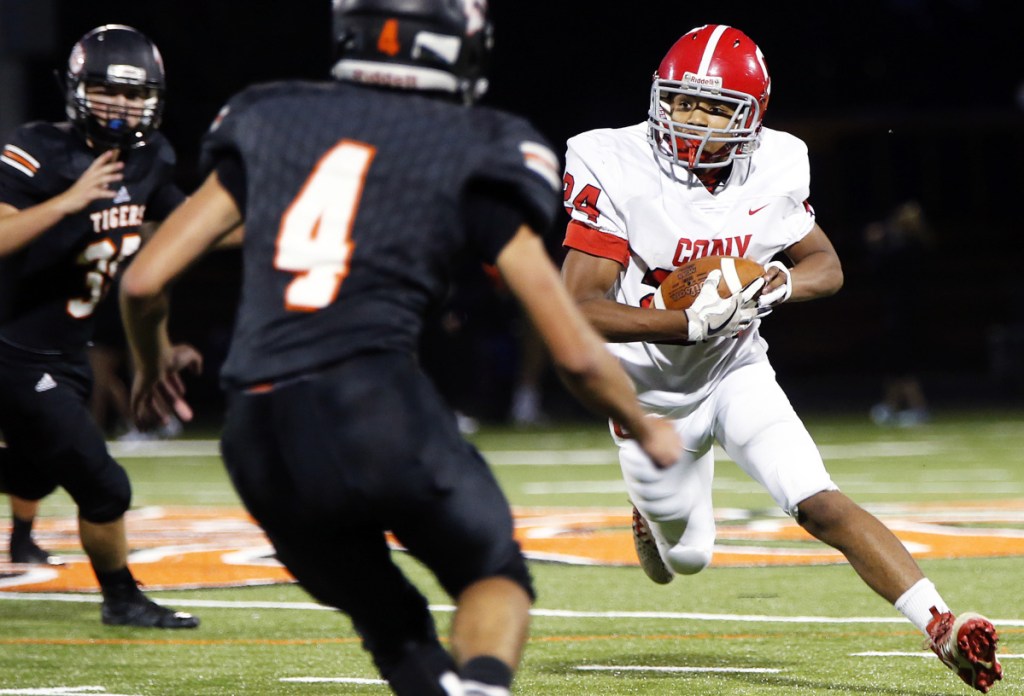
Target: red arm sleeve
{"x": 596, "y": 243}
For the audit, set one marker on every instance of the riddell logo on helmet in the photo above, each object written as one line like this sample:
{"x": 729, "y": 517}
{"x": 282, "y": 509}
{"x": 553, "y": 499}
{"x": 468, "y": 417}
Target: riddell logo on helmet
{"x": 126, "y": 73}
{"x": 384, "y": 78}
{"x": 696, "y": 80}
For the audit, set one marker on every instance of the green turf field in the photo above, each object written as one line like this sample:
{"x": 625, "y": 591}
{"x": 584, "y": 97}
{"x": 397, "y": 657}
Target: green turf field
{"x": 596, "y": 630}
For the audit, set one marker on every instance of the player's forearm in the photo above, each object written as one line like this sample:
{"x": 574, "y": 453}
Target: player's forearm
{"x": 619, "y": 323}
{"x": 600, "y": 384}
{"x": 145, "y": 326}
{"x": 585, "y": 366}
{"x": 18, "y": 228}
{"x": 817, "y": 275}
{"x": 576, "y": 350}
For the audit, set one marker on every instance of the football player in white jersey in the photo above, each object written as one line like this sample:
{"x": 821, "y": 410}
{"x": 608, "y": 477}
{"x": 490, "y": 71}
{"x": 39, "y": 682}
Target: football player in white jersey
{"x": 702, "y": 177}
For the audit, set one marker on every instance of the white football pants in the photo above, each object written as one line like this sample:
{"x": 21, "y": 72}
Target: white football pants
{"x": 750, "y": 416}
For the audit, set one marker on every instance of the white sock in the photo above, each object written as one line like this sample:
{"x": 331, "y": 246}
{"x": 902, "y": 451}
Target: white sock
{"x": 917, "y": 602}
{"x": 451, "y": 684}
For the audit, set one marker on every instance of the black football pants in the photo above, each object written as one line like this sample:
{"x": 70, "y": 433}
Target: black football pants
{"x": 328, "y": 462}
{"x": 51, "y": 437}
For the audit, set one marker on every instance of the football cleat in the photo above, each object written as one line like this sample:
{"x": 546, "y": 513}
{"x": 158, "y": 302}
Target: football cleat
{"x": 142, "y": 612}
{"x": 28, "y": 551}
{"x": 967, "y": 645}
{"x": 647, "y": 551}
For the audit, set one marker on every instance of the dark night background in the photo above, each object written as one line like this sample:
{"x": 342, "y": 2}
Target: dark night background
{"x": 896, "y": 99}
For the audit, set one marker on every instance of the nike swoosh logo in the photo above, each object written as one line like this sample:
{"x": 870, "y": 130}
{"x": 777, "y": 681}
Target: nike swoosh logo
{"x": 712, "y": 330}
{"x": 755, "y": 211}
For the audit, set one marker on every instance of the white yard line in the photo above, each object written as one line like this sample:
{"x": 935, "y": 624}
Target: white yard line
{"x": 534, "y": 457}
{"x": 61, "y": 691}
{"x": 925, "y": 653}
{"x": 646, "y": 668}
{"x": 547, "y": 613}
{"x": 331, "y": 680}
{"x": 725, "y": 483}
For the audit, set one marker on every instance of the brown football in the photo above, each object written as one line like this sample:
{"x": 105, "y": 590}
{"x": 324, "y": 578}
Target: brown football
{"x": 681, "y": 287}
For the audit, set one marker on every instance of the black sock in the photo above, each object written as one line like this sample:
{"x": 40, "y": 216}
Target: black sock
{"x": 117, "y": 584}
{"x": 21, "y": 530}
{"x": 418, "y": 671}
{"x": 487, "y": 670}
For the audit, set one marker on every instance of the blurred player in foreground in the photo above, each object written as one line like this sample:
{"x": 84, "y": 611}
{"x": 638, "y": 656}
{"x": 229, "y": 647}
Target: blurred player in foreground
{"x": 74, "y": 197}
{"x": 700, "y": 178}
{"x": 356, "y": 197}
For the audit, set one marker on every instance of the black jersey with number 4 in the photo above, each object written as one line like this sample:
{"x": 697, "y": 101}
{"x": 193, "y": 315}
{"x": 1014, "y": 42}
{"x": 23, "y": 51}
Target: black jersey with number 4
{"x": 49, "y": 289}
{"x": 354, "y": 205}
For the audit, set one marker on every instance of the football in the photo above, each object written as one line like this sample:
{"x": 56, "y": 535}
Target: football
{"x": 681, "y": 287}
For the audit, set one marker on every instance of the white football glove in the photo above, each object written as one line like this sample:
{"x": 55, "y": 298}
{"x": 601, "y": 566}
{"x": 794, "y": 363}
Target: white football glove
{"x": 711, "y": 316}
{"x": 769, "y": 300}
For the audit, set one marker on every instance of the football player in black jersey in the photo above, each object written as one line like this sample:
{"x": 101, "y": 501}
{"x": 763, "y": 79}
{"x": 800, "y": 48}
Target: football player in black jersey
{"x": 356, "y": 197}
{"x": 74, "y": 200}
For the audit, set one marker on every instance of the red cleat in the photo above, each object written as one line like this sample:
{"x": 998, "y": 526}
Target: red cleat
{"x": 647, "y": 551}
{"x": 967, "y": 645}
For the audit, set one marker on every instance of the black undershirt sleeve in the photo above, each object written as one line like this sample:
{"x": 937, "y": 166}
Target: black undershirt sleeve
{"x": 492, "y": 216}
{"x": 231, "y": 175}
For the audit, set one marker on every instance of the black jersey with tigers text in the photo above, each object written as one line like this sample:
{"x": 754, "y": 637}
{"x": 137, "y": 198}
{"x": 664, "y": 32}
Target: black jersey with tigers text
{"x": 353, "y": 205}
{"x": 49, "y": 289}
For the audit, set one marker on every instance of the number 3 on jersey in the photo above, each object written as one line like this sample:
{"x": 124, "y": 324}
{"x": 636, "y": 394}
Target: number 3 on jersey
{"x": 100, "y": 259}
{"x": 314, "y": 241}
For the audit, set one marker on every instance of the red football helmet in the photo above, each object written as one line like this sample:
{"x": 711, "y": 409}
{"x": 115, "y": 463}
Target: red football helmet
{"x": 713, "y": 62}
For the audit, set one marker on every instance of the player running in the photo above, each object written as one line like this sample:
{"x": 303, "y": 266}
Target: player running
{"x": 702, "y": 177}
{"x": 357, "y": 197}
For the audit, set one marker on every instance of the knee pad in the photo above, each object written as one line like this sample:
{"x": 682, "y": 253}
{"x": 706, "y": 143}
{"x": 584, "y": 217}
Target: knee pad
{"x": 511, "y": 565}
{"x": 109, "y": 498}
{"x": 23, "y": 481}
{"x": 688, "y": 560}
{"x": 35, "y": 490}
{"x": 515, "y": 570}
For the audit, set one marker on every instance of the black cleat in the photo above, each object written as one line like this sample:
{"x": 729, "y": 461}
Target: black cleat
{"x": 29, "y": 552}
{"x": 142, "y": 612}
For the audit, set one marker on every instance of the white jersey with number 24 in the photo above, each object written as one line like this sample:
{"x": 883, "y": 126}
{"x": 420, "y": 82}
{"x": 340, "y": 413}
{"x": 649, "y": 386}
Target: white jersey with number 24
{"x": 628, "y": 205}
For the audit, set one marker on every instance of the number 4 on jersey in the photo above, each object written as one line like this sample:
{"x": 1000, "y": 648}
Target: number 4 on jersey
{"x": 314, "y": 241}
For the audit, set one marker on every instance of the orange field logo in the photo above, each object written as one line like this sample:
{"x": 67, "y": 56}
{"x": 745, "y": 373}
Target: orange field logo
{"x": 187, "y": 547}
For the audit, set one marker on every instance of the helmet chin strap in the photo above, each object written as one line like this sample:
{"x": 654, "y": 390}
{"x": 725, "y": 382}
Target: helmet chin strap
{"x": 694, "y": 153}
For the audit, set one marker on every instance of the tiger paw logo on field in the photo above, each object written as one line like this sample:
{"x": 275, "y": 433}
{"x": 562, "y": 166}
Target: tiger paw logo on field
{"x": 192, "y": 548}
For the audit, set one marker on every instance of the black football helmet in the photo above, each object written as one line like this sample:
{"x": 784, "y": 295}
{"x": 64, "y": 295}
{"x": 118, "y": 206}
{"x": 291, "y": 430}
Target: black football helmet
{"x": 115, "y": 56}
{"x": 431, "y": 45}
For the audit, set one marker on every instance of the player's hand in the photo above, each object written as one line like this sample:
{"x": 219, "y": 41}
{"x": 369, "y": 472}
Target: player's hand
{"x": 660, "y": 441}
{"x": 778, "y": 287}
{"x": 94, "y": 184}
{"x": 158, "y": 396}
{"x": 711, "y": 316}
